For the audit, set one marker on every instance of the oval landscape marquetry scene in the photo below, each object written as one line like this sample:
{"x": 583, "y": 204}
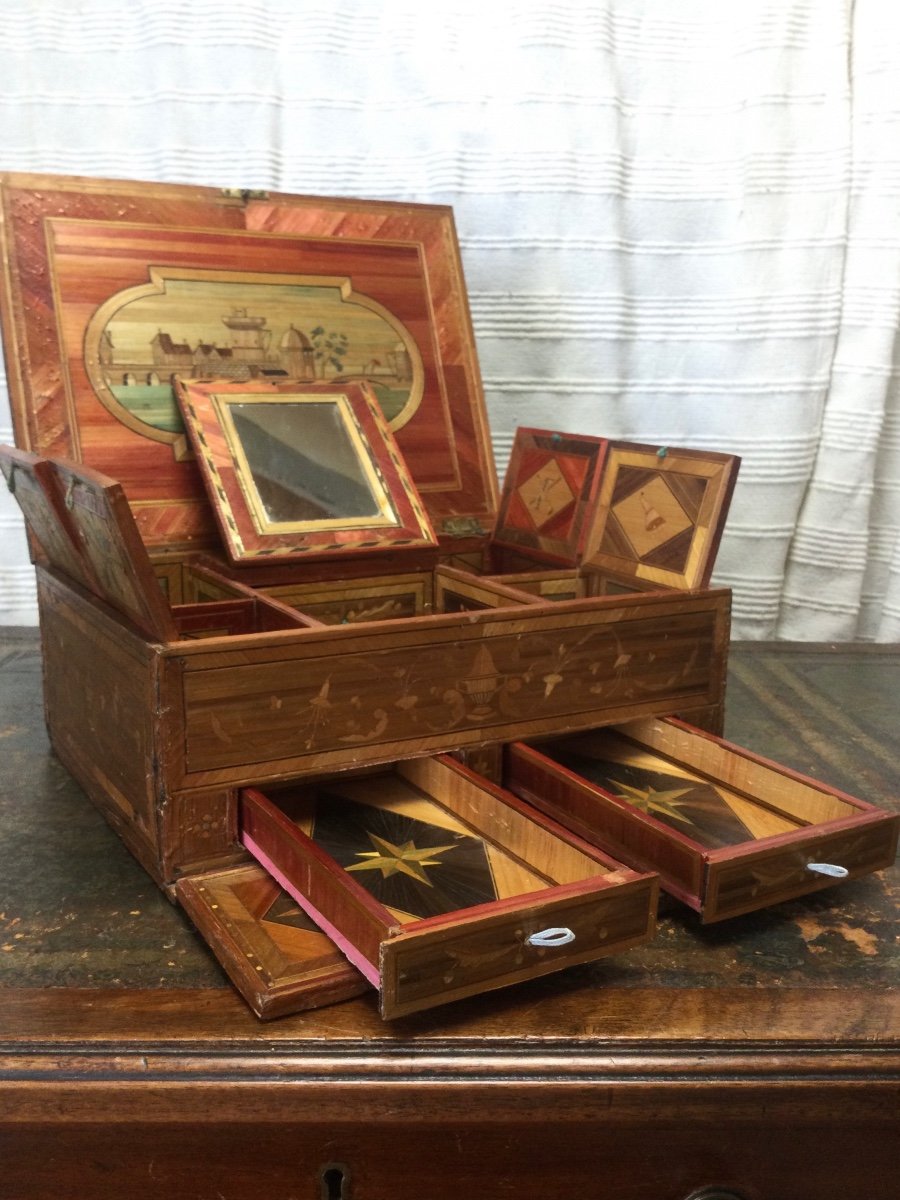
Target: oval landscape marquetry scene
{"x": 243, "y": 328}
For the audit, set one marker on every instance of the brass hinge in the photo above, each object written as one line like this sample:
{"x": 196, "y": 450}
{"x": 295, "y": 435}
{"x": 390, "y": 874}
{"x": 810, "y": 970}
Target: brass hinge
{"x": 245, "y": 195}
{"x": 461, "y": 527}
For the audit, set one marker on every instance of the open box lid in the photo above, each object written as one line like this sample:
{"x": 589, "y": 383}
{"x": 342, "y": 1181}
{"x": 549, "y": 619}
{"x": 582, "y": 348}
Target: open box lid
{"x": 660, "y": 513}
{"x": 112, "y": 288}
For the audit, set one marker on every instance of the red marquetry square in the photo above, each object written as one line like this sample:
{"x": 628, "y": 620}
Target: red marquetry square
{"x": 549, "y": 493}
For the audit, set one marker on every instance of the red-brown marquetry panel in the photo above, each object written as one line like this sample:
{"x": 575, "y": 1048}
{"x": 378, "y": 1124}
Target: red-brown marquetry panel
{"x": 78, "y": 253}
{"x": 42, "y": 399}
{"x": 458, "y": 405}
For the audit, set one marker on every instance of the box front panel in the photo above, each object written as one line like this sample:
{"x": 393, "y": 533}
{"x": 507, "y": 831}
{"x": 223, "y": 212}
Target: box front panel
{"x": 316, "y": 702}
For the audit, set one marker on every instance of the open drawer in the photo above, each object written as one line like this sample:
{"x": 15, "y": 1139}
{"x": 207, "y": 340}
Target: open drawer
{"x": 727, "y": 831}
{"x": 272, "y": 952}
{"x": 438, "y": 885}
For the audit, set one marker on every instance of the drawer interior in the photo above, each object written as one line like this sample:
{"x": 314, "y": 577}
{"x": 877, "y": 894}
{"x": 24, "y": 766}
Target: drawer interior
{"x": 728, "y": 831}
{"x": 422, "y": 849}
{"x": 701, "y": 789}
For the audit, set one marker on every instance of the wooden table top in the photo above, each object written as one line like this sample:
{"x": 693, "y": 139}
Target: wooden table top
{"x": 94, "y": 958}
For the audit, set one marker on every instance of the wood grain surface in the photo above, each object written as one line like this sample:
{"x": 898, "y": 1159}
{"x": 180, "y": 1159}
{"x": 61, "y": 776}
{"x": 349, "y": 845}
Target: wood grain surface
{"x": 730, "y": 833}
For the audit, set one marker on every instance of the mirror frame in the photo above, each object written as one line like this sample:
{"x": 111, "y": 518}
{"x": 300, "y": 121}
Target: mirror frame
{"x": 249, "y": 535}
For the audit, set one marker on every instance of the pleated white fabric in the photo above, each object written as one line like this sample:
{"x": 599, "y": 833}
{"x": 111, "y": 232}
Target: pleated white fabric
{"x": 679, "y": 223}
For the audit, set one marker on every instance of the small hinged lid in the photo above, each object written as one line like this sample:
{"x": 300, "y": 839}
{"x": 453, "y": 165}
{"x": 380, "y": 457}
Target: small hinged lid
{"x": 304, "y": 474}
{"x": 550, "y": 493}
{"x": 120, "y": 570}
{"x": 660, "y": 513}
{"x": 35, "y": 486}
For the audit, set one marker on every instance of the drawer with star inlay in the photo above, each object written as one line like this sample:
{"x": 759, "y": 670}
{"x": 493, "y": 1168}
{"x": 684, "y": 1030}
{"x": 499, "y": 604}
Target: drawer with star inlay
{"x": 438, "y": 885}
{"x": 729, "y": 832}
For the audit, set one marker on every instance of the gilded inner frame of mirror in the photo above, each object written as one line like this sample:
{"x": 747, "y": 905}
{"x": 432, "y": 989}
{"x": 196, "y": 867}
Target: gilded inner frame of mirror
{"x": 315, "y": 470}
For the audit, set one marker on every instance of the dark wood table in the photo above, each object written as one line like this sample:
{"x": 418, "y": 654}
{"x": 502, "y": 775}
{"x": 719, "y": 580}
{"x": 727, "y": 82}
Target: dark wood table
{"x": 758, "y": 1058}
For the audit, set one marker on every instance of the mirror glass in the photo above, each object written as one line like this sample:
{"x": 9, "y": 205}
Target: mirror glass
{"x": 305, "y": 463}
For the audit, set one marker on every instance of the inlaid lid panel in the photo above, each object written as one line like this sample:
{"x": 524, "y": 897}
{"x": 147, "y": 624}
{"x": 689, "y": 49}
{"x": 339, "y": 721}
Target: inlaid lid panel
{"x": 112, "y": 288}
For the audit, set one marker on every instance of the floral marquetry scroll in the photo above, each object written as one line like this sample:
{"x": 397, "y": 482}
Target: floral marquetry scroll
{"x": 504, "y": 673}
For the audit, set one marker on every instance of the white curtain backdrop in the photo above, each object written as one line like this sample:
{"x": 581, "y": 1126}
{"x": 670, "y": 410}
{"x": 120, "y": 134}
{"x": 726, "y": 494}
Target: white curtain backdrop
{"x": 679, "y": 222}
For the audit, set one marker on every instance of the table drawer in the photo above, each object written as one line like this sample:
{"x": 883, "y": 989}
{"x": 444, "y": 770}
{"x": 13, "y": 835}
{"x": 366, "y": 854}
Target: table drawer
{"x": 728, "y": 831}
{"x": 438, "y": 885}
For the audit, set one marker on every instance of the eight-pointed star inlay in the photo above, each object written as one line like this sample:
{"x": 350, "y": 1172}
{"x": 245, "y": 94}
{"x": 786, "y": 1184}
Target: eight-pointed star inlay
{"x": 391, "y": 859}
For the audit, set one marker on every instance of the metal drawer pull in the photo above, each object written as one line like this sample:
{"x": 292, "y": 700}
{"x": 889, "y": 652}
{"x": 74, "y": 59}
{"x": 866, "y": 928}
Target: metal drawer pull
{"x": 557, "y": 936}
{"x": 831, "y": 869}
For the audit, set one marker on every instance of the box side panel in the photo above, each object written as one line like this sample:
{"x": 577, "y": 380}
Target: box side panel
{"x": 318, "y": 703}
{"x": 100, "y": 701}
{"x": 198, "y": 831}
